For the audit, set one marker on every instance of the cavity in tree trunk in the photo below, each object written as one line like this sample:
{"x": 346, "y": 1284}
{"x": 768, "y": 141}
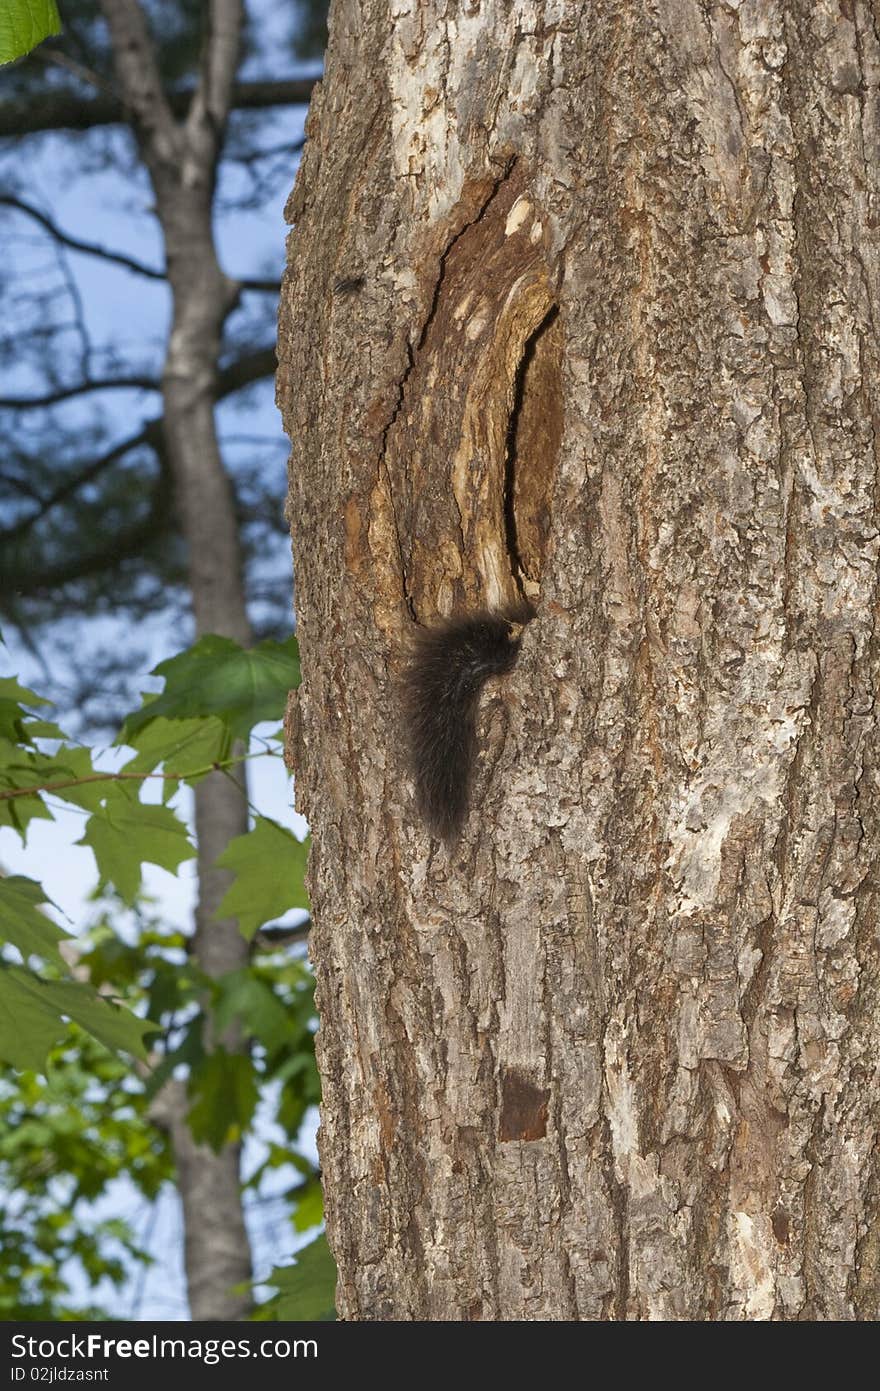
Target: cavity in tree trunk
{"x": 613, "y": 1055}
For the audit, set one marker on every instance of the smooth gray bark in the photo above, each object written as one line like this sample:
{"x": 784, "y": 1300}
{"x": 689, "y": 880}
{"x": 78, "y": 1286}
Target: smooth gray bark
{"x": 181, "y": 157}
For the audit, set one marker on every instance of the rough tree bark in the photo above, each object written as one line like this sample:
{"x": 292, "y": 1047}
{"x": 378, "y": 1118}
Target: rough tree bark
{"x": 181, "y": 157}
{"x": 615, "y": 1055}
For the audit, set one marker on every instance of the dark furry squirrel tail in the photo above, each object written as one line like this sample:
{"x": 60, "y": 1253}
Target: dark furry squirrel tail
{"x": 450, "y": 663}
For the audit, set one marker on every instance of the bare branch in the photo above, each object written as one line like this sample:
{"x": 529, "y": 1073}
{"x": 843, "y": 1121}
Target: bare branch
{"x": 10, "y": 794}
{"x": 64, "y": 393}
{"x": 148, "y": 434}
{"x": 269, "y": 287}
{"x": 87, "y": 248}
{"x": 249, "y": 368}
{"x": 79, "y": 316}
{"x": 253, "y": 367}
{"x": 55, "y": 56}
{"x": 253, "y": 156}
{"x": 129, "y": 541}
{"x": 69, "y": 111}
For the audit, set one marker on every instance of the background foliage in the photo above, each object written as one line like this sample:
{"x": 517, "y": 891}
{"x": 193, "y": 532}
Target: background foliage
{"x": 79, "y": 1115}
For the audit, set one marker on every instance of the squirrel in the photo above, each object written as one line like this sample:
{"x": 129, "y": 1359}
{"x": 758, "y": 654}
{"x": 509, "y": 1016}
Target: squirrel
{"x": 449, "y": 665}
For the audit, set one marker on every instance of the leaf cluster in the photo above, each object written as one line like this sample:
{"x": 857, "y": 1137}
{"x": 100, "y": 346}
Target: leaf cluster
{"x": 214, "y": 694}
{"x": 77, "y": 1116}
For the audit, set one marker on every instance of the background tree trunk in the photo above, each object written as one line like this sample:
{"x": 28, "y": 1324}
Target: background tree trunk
{"x": 182, "y": 160}
{"x": 615, "y": 1055}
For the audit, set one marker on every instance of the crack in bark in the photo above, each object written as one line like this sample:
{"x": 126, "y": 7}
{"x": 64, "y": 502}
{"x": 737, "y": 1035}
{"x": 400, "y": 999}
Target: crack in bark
{"x": 510, "y": 457}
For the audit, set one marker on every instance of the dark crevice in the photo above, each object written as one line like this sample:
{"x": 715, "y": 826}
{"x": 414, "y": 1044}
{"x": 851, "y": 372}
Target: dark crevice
{"x": 383, "y": 467}
{"x": 511, "y": 458}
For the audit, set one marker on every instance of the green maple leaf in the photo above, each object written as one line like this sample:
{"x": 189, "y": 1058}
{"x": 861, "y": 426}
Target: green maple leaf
{"x": 12, "y": 697}
{"x": 68, "y": 764}
{"x": 22, "y": 923}
{"x": 225, "y": 1095}
{"x": 183, "y": 746}
{"x": 217, "y": 677}
{"x": 11, "y": 689}
{"x": 32, "y": 1017}
{"x": 29, "y": 1025}
{"x": 309, "y": 1207}
{"x": 269, "y": 864}
{"x": 245, "y": 1000}
{"x": 125, "y": 833}
{"x": 18, "y": 812}
{"x": 307, "y": 1290}
{"x": 24, "y": 24}
{"x": 111, "y": 1024}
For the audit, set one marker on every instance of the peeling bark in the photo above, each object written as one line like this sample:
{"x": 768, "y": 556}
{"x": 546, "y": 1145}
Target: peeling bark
{"x": 615, "y": 1055}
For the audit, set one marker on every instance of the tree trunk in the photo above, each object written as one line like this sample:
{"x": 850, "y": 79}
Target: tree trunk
{"x": 614, "y": 1053}
{"x": 182, "y": 160}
